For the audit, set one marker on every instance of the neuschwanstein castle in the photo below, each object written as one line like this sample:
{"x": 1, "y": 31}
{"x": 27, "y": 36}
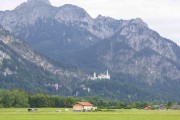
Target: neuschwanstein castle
{"x": 100, "y": 77}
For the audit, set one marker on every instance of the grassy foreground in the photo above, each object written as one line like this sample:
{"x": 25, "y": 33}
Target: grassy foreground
{"x": 50, "y": 114}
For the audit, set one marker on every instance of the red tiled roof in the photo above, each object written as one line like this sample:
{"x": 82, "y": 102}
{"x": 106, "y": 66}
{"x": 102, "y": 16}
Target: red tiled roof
{"x": 85, "y": 103}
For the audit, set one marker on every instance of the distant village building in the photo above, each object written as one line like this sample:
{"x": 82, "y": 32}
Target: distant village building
{"x": 83, "y": 106}
{"x": 175, "y": 107}
{"x": 162, "y": 107}
{"x": 148, "y": 108}
{"x": 101, "y": 76}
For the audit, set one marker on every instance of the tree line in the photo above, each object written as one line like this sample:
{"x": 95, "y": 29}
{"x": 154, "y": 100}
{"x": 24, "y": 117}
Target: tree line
{"x": 21, "y": 99}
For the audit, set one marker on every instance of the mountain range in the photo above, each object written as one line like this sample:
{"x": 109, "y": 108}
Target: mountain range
{"x": 143, "y": 65}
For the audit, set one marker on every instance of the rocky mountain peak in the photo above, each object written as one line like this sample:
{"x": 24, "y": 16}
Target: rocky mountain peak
{"x": 71, "y": 13}
{"x": 39, "y": 1}
{"x": 100, "y": 17}
{"x": 68, "y": 8}
{"x": 138, "y": 21}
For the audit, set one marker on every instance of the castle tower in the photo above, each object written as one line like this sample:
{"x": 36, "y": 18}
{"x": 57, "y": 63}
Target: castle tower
{"x": 95, "y": 75}
{"x": 107, "y": 75}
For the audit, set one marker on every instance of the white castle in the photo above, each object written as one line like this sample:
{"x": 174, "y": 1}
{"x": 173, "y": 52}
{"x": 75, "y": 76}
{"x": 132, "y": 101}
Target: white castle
{"x": 100, "y": 77}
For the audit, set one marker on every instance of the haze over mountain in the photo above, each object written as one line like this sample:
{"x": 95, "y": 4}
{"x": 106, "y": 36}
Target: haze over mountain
{"x": 23, "y": 68}
{"x": 140, "y": 61}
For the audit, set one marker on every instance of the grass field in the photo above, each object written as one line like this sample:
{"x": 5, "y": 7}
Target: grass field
{"x": 50, "y": 114}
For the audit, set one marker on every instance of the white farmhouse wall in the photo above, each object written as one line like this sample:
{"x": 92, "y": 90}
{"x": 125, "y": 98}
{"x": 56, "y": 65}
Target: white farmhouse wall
{"x": 78, "y": 107}
{"x": 88, "y": 107}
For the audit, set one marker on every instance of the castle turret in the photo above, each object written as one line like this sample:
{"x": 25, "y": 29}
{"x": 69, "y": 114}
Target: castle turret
{"x": 95, "y": 75}
{"x": 107, "y": 73}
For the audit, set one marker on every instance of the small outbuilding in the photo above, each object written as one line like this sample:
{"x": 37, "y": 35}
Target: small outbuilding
{"x": 83, "y": 106}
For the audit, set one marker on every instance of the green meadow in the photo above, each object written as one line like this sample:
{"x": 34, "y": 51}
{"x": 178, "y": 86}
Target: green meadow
{"x": 50, "y": 114}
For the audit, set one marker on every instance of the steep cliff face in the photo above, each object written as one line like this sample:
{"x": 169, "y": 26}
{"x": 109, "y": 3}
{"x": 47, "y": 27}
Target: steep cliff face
{"x": 23, "y": 68}
{"x": 135, "y": 47}
{"x": 17, "y": 71}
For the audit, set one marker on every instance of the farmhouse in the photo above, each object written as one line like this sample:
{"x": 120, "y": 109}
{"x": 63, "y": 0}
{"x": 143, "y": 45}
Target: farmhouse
{"x": 83, "y": 106}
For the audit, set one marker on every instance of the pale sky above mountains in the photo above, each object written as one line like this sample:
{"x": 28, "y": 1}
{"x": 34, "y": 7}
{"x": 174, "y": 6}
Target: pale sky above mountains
{"x": 161, "y": 15}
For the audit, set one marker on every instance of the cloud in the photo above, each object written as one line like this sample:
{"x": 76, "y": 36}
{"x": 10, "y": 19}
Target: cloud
{"x": 10, "y": 4}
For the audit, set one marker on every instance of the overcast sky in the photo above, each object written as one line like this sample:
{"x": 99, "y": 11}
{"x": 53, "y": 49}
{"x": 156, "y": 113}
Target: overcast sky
{"x": 162, "y": 16}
